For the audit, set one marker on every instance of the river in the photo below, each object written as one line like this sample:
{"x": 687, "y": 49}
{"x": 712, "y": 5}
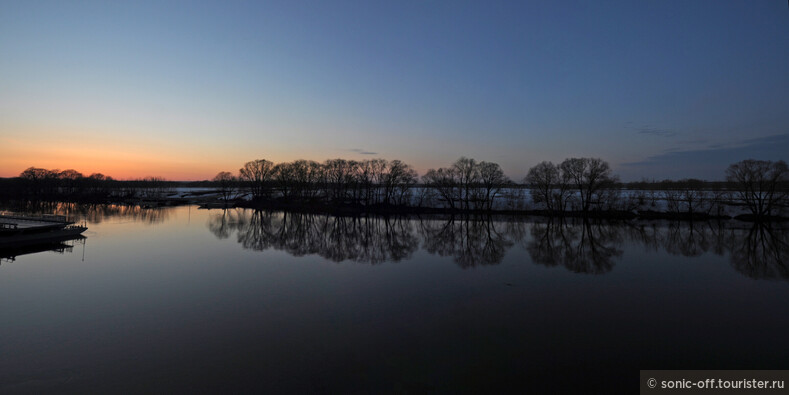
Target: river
{"x": 181, "y": 299}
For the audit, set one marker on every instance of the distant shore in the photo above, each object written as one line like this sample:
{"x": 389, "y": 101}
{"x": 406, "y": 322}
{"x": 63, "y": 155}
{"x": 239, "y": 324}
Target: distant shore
{"x": 754, "y": 190}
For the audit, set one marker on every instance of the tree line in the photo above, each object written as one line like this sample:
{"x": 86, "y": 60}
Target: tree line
{"x": 577, "y": 185}
{"x": 340, "y": 181}
{"x": 466, "y": 185}
{"x": 36, "y": 183}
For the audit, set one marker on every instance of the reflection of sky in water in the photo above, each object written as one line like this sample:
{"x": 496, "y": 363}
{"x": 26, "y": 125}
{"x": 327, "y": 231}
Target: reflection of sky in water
{"x": 239, "y": 300}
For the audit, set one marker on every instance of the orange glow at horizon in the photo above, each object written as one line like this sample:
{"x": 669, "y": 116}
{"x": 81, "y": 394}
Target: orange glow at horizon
{"x": 121, "y": 160}
{"x": 119, "y": 169}
{"x": 128, "y": 156}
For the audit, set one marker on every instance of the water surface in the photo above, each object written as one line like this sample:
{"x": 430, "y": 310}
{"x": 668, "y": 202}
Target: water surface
{"x": 241, "y": 300}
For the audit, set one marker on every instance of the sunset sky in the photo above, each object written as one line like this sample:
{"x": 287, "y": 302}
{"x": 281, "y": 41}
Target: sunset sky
{"x": 183, "y": 90}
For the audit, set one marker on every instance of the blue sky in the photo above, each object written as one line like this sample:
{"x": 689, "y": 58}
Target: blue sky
{"x": 661, "y": 89}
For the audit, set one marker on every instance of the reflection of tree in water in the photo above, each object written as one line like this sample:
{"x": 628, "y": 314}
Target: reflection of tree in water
{"x": 677, "y": 238}
{"x": 258, "y": 233}
{"x": 647, "y": 234}
{"x": 761, "y": 252}
{"x": 687, "y": 238}
{"x": 96, "y": 213}
{"x": 362, "y": 239}
{"x": 471, "y": 241}
{"x": 222, "y": 223}
{"x": 581, "y": 247}
{"x": 359, "y": 239}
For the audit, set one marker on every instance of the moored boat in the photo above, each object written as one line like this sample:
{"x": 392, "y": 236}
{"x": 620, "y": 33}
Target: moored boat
{"x": 17, "y": 230}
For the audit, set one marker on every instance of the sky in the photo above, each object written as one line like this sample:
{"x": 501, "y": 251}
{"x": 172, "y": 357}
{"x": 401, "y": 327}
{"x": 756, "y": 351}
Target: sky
{"x": 184, "y": 90}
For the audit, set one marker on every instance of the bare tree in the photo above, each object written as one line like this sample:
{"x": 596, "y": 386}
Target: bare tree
{"x": 367, "y": 175}
{"x": 152, "y": 187}
{"x": 550, "y": 186}
{"x": 258, "y": 175}
{"x": 397, "y": 183}
{"x": 468, "y": 184}
{"x": 70, "y": 181}
{"x": 589, "y": 176}
{"x": 227, "y": 184}
{"x": 99, "y": 177}
{"x": 445, "y": 182}
{"x": 305, "y": 175}
{"x": 339, "y": 178}
{"x": 492, "y": 180}
{"x": 761, "y": 185}
{"x": 313, "y": 178}
{"x": 98, "y": 184}
{"x": 687, "y": 197}
{"x": 284, "y": 177}
{"x": 467, "y": 173}
{"x": 40, "y": 181}
{"x": 367, "y": 182}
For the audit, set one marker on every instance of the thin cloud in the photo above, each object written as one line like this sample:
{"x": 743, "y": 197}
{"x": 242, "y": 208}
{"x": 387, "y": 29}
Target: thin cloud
{"x": 362, "y": 151}
{"x": 657, "y": 132}
{"x": 649, "y": 130}
{"x": 711, "y": 162}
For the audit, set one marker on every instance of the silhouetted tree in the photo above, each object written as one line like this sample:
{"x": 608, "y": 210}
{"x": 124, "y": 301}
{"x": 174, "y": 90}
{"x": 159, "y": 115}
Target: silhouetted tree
{"x": 367, "y": 176}
{"x": 550, "y": 186}
{"x": 98, "y": 184}
{"x": 467, "y": 173}
{"x": 38, "y": 180}
{"x": 258, "y": 175}
{"x": 445, "y": 182}
{"x": 589, "y": 177}
{"x": 492, "y": 180}
{"x": 152, "y": 187}
{"x": 340, "y": 181}
{"x": 468, "y": 184}
{"x": 397, "y": 182}
{"x": 284, "y": 179}
{"x": 761, "y": 185}
{"x": 71, "y": 181}
{"x": 305, "y": 176}
{"x": 687, "y": 196}
{"x": 339, "y": 178}
{"x": 226, "y": 184}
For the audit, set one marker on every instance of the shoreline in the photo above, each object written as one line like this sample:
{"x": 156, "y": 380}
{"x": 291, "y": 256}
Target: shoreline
{"x": 392, "y": 210}
{"x": 349, "y": 210}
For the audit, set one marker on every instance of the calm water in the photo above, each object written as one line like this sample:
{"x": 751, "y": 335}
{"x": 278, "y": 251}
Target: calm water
{"x": 186, "y": 299}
